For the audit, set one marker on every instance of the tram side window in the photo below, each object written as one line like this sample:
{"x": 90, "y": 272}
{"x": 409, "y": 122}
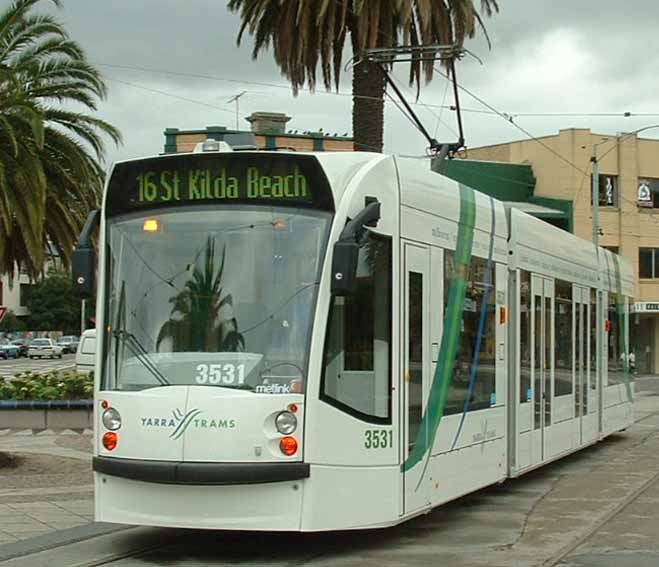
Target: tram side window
{"x": 525, "y": 394}
{"x": 485, "y": 380}
{"x": 617, "y": 353}
{"x": 564, "y": 338}
{"x": 357, "y": 360}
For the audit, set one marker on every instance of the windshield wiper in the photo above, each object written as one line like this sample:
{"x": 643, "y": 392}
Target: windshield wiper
{"x": 134, "y": 345}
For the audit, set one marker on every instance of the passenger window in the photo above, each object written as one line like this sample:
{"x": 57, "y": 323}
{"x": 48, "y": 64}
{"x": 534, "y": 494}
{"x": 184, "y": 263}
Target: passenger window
{"x": 618, "y": 354}
{"x": 525, "y": 336}
{"x": 478, "y": 282}
{"x": 357, "y": 362}
{"x": 564, "y": 338}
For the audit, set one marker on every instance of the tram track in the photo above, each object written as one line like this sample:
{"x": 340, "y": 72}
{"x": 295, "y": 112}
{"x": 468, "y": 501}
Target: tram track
{"x": 612, "y": 514}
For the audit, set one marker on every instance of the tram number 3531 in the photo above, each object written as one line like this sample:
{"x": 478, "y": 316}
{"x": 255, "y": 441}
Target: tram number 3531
{"x": 378, "y": 438}
{"x": 220, "y": 374}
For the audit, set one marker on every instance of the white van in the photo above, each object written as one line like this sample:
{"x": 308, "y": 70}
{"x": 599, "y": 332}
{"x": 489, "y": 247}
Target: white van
{"x": 86, "y": 352}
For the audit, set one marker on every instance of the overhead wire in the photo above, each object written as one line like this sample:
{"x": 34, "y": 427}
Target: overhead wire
{"x": 165, "y": 93}
{"x": 334, "y": 93}
{"x": 491, "y": 110}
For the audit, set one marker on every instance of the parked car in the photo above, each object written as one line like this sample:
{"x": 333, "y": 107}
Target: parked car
{"x": 8, "y": 350}
{"x": 86, "y": 353}
{"x": 23, "y": 345}
{"x": 40, "y": 348}
{"x": 69, "y": 343}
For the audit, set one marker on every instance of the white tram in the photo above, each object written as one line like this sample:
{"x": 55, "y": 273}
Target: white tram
{"x": 336, "y": 341}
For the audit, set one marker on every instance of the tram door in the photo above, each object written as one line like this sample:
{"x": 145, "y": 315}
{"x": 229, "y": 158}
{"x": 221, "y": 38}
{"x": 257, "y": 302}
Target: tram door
{"x": 542, "y": 366}
{"x": 416, "y": 371}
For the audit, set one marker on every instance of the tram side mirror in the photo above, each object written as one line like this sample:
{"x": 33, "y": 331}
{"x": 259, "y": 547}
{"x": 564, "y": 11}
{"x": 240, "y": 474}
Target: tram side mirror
{"x": 346, "y": 249}
{"x": 344, "y": 267}
{"x": 83, "y": 263}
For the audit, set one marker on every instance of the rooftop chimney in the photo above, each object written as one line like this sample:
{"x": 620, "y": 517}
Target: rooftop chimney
{"x": 268, "y": 122}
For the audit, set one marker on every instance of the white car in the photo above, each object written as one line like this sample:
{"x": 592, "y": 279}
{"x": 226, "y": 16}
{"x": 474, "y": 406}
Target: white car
{"x": 40, "y": 348}
{"x": 86, "y": 353}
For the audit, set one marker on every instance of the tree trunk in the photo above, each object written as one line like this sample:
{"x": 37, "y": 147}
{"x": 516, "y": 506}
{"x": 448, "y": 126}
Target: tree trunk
{"x": 368, "y": 84}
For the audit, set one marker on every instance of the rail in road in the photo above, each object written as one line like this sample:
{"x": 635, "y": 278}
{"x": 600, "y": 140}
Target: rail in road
{"x": 14, "y": 366}
{"x": 597, "y": 507}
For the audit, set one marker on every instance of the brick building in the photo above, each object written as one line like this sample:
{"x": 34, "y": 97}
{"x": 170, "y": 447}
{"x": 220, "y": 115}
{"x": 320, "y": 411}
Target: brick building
{"x": 269, "y": 133}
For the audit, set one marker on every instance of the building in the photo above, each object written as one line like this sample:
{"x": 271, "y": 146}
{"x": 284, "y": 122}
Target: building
{"x": 628, "y": 206}
{"x": 268, "y": 132}
{"x": 13, "y": 291}
{"x": 15, "y": 287}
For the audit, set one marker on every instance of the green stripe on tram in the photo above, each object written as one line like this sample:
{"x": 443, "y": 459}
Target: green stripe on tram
{"x": 622, "y": 322}
{"x": 451, "y": 335}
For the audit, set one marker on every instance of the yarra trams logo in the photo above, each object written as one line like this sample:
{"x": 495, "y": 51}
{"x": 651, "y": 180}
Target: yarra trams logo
{"x": 181, "y": 422}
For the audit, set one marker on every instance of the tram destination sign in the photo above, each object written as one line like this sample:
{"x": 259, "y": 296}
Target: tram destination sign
{"x": 222, "y": 179}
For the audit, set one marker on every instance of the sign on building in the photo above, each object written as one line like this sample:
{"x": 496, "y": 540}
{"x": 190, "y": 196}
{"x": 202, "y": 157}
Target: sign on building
{"x": 647, "y": 188}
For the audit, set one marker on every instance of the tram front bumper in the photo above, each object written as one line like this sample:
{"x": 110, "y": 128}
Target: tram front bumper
{"x": 271, "y": 506}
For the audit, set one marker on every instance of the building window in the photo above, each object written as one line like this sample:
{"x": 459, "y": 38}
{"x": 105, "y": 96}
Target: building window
{"x": 357, "y": 366}
{"x": 648, "y": 193}
{"x": 648, "y": 263}
{"x": 25, "y": 293}
{"x": 608, "y": 190}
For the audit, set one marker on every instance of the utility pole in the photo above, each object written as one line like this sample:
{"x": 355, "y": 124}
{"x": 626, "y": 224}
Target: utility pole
{"x": 82, "y": 316}
{"x": 236, "y": 99}
{"x": 596, "y": 192}
{"x": 596, "y": 196}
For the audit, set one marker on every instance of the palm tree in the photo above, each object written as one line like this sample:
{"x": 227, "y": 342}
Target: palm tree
{"x": 50, "y": 175}
{"x": 306, "y": 33}
{"x": 196, "y": 323}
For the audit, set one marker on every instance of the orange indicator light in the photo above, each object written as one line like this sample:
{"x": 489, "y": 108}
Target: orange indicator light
{"x": 288, "y": 446}
{"x": 503, "y": 315}
{"x": 151, "y": 225}
{"x": 279, "y": 224}
{"x": 296, "y": 386}
{"x": 105, "y": 404}
{"x": 292, "y": 408}
{"x": 110, "y": 440}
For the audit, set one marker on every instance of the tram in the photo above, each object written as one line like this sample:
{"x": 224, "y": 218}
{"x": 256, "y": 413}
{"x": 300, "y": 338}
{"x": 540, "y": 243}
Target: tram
{"x": 324, "y": 341}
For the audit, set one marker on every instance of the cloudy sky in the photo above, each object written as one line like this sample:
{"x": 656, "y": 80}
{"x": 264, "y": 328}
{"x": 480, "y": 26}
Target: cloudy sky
{"x": 174, "y": 63}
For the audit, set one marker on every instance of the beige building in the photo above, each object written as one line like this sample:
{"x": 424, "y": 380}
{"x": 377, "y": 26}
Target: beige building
{"x": 628, "y": 211}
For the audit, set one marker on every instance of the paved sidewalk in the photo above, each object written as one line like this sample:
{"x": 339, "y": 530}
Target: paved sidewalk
{"x": 47, "y": 485}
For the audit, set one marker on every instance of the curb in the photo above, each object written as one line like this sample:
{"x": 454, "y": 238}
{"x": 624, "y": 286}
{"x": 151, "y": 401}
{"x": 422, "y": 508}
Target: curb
{"x": 46, "y": 414}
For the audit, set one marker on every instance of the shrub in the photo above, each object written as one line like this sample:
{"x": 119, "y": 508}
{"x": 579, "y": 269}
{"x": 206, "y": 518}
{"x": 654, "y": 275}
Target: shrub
{"x": 48, "y": 386}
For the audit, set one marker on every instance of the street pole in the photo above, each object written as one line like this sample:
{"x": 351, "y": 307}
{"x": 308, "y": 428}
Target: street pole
{"x": 82, "y": 316}
{"x": 596, "y": 196}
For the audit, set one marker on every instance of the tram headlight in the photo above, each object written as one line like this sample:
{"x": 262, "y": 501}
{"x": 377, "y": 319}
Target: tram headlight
{"x": 111, "y": 419}
{"x": 286, "y": 422}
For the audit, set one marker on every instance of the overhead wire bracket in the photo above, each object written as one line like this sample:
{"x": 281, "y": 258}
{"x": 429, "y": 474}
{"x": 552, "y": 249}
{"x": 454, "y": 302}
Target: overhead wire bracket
{"x": 385, "y": 56}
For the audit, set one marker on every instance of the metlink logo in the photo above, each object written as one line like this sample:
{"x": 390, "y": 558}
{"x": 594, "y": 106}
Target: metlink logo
{"x": 181, "y": 422}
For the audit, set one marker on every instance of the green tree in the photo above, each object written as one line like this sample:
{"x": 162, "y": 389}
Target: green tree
{"x": 10, "y": 323}
{"x": 197, "y": 322}
{"x": 52, "y": 304}
{"x": 50, "y": 173}
{"x": 307, "y": 33}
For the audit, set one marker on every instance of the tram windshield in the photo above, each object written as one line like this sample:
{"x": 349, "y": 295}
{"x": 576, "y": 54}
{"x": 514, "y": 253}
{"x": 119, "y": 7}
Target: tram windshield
{"x": 214, "y": 296}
